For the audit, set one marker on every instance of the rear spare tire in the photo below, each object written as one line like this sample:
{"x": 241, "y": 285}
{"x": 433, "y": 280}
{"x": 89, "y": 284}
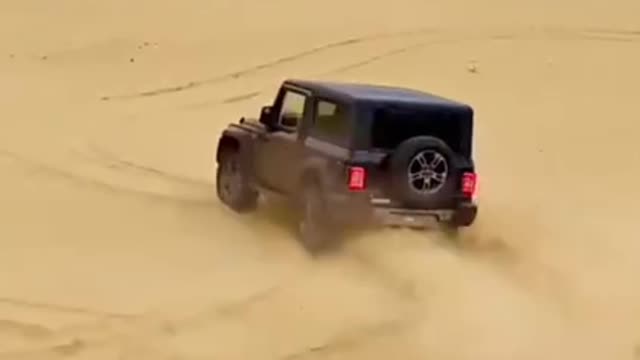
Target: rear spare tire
{"x": 422, "y": 172}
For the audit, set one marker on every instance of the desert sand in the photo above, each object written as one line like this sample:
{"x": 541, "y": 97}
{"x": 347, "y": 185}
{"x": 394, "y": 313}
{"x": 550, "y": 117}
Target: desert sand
{"x": 114, "y": 246}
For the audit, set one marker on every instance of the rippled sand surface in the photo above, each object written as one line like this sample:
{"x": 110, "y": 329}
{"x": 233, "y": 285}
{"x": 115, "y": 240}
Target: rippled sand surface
{"x": 113, "y": 245}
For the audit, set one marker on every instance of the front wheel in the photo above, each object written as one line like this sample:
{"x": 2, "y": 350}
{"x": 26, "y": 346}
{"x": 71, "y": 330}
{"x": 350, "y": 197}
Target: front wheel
{"x": 232, "y": 183}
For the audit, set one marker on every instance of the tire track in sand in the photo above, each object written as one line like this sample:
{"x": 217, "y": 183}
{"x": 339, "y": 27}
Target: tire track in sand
{"x": 111, "y": 330}
{"x": 578, "y": 34}
{"x": 615, "y": 34}
{"x": 352, "y": 339}
{"x": 87, "y": 181}
{"x": 145, "y": 331}
{"x": 64, "y": 308}
{"x": 255, "y": 93}
{"x": 100, "y": 156}
{"x": 263, "y": 66}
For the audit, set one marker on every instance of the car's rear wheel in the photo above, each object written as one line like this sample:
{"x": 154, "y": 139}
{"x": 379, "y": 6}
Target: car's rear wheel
{"x": 464, "y": 216}
{"x": 232, "y": 183}
{"x": 315, "y": 230}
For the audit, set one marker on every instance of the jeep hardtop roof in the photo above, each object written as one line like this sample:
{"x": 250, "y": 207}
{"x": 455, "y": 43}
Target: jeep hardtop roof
{"x": 366, "y": 93}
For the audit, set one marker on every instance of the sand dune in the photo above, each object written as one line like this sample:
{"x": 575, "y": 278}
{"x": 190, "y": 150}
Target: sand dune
{"x": 115, "y": 247}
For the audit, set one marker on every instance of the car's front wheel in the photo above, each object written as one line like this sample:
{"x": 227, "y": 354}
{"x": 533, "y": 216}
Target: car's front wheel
{"x": 232, "y": 183}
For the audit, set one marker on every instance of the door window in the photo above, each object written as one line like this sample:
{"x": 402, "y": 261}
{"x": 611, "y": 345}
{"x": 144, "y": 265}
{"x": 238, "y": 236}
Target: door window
{"x": 330, "y": 123}
{"x": 292, "y": 109}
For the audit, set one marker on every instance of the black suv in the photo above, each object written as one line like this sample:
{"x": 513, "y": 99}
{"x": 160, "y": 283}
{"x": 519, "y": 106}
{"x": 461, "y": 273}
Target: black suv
{"x": 353, "y": 154}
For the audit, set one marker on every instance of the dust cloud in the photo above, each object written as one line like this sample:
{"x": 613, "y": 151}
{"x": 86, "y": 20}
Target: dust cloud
{"x": 115, "y": 247}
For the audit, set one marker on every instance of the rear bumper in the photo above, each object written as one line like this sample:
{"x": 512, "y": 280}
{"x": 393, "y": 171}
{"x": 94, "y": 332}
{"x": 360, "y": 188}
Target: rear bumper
{"x": 463, "y": 215}
{"x": 378, "y": 212}
{"x": 409, "y": 217}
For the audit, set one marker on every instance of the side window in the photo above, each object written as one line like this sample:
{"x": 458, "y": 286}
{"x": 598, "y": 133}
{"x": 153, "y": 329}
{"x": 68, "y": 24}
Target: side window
{"x": 330, "y": 123}
{"x": 292, "y": 109}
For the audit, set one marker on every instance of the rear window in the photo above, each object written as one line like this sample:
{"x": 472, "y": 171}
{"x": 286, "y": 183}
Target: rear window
{"x": 391, "y": 126}
{"x": 330, "y": 123}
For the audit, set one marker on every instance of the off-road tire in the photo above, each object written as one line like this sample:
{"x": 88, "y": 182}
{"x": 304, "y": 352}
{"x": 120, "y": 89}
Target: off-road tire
{"x": 400, "y": 163}
{"x": 463, "y": 217}
{"x": 315, "y": 231}
{"x": 232, "y": 183}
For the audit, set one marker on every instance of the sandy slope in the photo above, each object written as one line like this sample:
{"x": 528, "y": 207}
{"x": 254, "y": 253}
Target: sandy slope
{"x": 114, "y": 247}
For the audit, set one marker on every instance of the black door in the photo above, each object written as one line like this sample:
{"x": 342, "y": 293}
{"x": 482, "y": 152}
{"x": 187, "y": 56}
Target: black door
{"x": 329, "y": 141}
{"x": 281, "y": 150}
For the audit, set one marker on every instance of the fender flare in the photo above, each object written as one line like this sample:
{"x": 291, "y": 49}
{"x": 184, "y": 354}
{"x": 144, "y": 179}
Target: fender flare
{"x": 239, "y": 140}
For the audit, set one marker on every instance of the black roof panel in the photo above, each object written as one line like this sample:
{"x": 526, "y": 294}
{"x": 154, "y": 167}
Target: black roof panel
{"x": 374, "y": 93}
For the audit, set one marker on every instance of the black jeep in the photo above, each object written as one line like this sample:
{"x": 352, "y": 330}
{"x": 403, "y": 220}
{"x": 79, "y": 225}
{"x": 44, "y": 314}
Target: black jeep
{"x": 353, "y": 154}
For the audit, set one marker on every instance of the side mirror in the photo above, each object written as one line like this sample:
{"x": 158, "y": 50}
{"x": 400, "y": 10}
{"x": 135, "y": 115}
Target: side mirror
{"x": 266, "y": 116}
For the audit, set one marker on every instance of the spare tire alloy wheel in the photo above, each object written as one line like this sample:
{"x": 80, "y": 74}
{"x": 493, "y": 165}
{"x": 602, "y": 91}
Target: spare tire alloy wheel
{"x": 428, "y": 171}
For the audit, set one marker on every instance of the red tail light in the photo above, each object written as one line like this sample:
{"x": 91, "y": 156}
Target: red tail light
{"x": 469, "y": 180}
{"x": 357, "y": 178}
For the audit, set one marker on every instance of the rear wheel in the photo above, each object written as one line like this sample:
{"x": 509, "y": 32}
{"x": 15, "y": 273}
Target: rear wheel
{"x": 232, "y": 183}
{"x": 315, "y": 230}
{"x": 464, "y": 216}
